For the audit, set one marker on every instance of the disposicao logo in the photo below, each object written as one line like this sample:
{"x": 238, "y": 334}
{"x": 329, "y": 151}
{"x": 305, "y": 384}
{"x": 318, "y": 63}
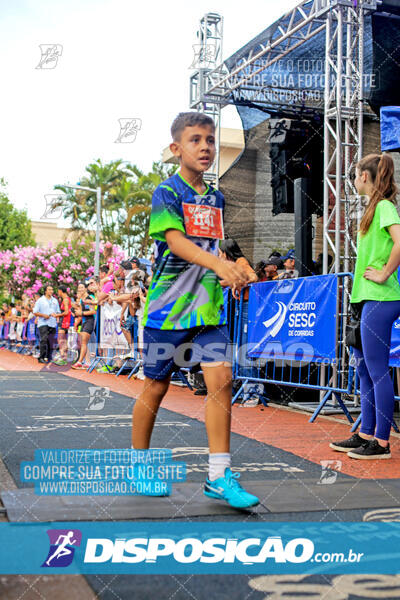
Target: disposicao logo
{"x": 191, "y": 550}
{"x": 275, "y": 323}
{"x": 62, "y": 547}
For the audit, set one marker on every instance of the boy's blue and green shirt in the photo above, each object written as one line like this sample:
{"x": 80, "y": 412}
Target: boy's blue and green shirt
{"x": 182, "y": 295}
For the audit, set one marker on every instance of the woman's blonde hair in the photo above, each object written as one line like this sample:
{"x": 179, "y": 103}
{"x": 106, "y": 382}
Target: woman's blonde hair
{"x": 381, "y": 169}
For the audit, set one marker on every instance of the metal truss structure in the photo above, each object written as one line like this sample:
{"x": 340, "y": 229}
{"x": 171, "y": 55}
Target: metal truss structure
{"x": 343, "y": 22}
{"x": 207, "y": 54}
{"x": 343, "y": 126}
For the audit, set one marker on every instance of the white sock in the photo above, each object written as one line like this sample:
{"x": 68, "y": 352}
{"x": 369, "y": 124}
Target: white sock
{"x": 217, "y": 463}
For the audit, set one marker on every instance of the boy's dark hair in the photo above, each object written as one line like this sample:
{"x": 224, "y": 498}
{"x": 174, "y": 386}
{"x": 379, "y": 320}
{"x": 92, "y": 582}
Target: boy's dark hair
{"x": 104, "y": 269}
{"x": 189, "y": 119}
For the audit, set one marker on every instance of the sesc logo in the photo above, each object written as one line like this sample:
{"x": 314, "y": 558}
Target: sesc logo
{"x": 275, "y": 323}
{"x": 191, "y": 550}
{"x": 62, "y": 542}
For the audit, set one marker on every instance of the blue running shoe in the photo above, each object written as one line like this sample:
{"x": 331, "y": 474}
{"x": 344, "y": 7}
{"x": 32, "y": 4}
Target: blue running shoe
{"x": 229, "y": 489}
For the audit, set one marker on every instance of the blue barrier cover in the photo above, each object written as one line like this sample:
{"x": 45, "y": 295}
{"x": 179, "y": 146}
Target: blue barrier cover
{"x": 293, "y": 319}
{"x": 390, "y": 128}
{"x": 394, "y": 357}
{"x": 30, "y": 330}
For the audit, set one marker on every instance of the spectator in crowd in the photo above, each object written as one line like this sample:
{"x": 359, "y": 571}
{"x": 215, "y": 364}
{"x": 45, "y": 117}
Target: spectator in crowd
{"x": 85, "y": 310}
{"x": 267, "y": 270}
{"x": 129, "y": 298}
{"x": 318, "y": 264}
{"x": 64, "y": 323}
{"x": 277, "y": 255}
{"x": 80, "y": 291}
{"x": 135, "y": 262}
{"x": 125, "y": 284}
{"x": 106, "y": 284}
{"x": 12, "y": 334}
{"x": 46, "y": 309}
{"x": 230, "y": 250}
{"x": 288, "y": 264}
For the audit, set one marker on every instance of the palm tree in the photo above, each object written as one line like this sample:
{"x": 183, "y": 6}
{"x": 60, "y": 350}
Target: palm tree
{"x": 126, "y": 202}
{"x": 131, "y": 201}
{"x": 80, "y": 206}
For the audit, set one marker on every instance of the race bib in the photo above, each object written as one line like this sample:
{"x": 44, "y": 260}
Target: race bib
{"x": 202, "y": 220}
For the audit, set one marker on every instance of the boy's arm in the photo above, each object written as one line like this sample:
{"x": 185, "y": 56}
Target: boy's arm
{"x": 231, "y": 274}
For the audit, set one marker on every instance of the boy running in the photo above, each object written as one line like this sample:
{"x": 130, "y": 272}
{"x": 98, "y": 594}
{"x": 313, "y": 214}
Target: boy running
{"x": 184, "y": 305}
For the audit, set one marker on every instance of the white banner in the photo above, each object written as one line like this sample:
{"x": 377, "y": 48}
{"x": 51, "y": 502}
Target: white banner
{"x": 111, "y": 335}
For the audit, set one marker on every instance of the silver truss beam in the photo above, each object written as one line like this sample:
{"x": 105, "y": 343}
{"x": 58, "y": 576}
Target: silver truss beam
{"x": 208, "y": 53}
{"x": 343, "y": 126}
{"x": 213, "y": 87}
{"x": 301, "y": 24}
{"x": 343, "y": 137}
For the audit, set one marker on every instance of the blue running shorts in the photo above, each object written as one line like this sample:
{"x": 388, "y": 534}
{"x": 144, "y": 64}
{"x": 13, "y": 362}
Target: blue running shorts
{"x": 165, "y": 351}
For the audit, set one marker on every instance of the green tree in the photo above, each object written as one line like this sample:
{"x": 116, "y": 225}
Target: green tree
{"x": 138, "y": 205}
{"x": 80, "y": 206}
{"x": 126, "y": 202}
{"x": 15, "y": 227}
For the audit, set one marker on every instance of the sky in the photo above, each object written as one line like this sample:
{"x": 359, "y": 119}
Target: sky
{"x": 117, "y": 59}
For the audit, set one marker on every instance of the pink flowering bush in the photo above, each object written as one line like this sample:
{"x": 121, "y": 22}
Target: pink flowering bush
{"x": 29, "y": 269}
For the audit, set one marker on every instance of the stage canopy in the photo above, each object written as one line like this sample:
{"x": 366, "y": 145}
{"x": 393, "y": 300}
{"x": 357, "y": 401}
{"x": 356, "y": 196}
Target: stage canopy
{"x": 295, "y": 83}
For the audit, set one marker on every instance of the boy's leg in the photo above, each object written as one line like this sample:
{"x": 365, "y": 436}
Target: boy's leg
{"x": 218, "y": 380}
{"x": 145, "y": 411}
{"x": 158, "y": 363}
{"x": 222, "y": 484}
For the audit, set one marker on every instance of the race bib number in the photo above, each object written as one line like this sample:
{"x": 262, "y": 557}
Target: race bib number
{"x": 203, "y": 221}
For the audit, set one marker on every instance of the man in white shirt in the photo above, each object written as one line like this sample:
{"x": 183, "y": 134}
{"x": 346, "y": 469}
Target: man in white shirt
{"x": 45, "y": 308}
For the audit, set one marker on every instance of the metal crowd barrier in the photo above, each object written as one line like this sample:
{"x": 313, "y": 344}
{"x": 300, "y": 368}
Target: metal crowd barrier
{"x": 334, "y": 377}
{"x": 104, "y": 355}
{"x": 22, "y": 342}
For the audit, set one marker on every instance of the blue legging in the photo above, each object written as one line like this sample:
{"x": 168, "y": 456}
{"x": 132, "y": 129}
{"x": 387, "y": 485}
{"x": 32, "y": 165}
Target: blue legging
{"x": 377, "y": 393}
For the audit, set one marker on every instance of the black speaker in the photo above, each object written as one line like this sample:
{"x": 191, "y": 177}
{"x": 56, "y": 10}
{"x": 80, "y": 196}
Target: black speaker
{"x": 296, "y": 151}
{"x": 385, "y": 89}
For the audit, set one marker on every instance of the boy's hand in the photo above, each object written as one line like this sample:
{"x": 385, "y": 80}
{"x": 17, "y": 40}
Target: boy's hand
{"x": 231, "y": 274}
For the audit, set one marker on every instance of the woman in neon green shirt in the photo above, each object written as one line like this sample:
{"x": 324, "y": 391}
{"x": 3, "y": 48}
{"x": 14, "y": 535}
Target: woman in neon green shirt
{"x": 375, "y": 286}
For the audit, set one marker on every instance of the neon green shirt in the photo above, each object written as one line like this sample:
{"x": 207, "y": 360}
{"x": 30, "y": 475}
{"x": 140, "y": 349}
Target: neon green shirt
{"x": 373, "y": 250}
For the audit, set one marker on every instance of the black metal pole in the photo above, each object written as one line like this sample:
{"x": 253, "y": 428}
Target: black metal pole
{"x": 303, "y": 227}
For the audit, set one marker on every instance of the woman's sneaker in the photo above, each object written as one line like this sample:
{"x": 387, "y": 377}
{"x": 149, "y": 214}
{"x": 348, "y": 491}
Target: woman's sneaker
{"x": 78, "y": 366}
{"x": 60, "y": 362}
{"x": 229, "y": 489}
{"x": 346, "y": 445}
{"x": 371, "y": 450}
